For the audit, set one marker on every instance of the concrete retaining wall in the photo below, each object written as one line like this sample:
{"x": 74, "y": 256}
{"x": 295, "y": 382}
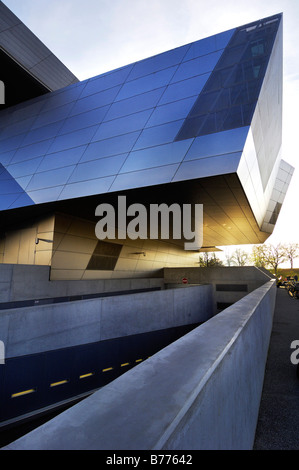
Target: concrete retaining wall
{"x": 230, "y": 284}
{"x": 26, "y": 282}
{"x": 47, "y": 327}
{"x": 201, "y": 392}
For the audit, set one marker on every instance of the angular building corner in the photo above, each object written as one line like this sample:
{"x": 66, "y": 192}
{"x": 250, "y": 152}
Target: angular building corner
{"x": 200, "y": 124}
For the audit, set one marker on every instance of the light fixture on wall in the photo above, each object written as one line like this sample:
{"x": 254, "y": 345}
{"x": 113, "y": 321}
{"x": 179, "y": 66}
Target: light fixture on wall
{"x": 139, "y": 253}
{"x": 37, "y": 240}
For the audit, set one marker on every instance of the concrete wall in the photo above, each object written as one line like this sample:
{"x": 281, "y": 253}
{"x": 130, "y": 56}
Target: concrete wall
{"x": 230, "y": 284}
{"x": 201, "y": 392}
{"x": 25, "y": 282}
{"x": 35, "y": 329}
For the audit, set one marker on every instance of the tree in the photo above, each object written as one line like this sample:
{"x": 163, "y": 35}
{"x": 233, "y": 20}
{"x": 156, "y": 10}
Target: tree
{"x": 240, "y": 257}
{"x": 258, "y": 256}
{"x": 291, "y": 252}
{"x": 207, "y": 261}
{"x": 268, "y": 256}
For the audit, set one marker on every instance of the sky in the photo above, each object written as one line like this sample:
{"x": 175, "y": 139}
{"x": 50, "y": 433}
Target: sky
{"x": 95, "y": 36}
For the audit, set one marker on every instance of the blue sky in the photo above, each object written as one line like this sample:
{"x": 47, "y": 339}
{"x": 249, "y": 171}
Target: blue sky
{"x": 95, "y": 36}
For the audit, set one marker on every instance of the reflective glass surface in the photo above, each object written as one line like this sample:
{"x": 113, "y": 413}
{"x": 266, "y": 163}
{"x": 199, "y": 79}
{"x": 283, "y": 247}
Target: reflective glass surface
{"x": 171, "y": 112}
{"x": 27, "y": 167}
{"x": 60, "y": 159}
{"x": 147, "y": 83}
{"x": 53, "y": 115}
{"x": 122, "y": 125}
{"x": 158, "y": 62}
{"x": 157, "y": 135}
{"x": 95, "y": 100}
{"x": 184, "y": 89}
{"x": 45, "y": 195}
{"x": 79, "y": 121}
{"x": 156, "y": 156}
{"x": 95, "y": 186}
{"x": 142, "y": 178}
{"x": 106, "y": 81}
{"x": 72, "y": 139}
{"x": 142, "y": 124}
{"x": 198, "y": 66}
{"x": 97, "y": 168}
{"x": 108, "y": 147}
{"x": 21, "y": 201}
{"x": 135, "y": 104}
{"x": 31, "y": 151}
{"x": 62, "y": 97}
{"x": 229, "y": 97}
{"x": 217, "y": 144}
{"x": 207, "y": 167}
{"x": 49, "y": 178}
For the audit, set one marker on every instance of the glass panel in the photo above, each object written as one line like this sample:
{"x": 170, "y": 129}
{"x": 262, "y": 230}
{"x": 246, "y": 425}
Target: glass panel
{"x": 184, "y": 89}
{"x": 171, "y": 112}
{"x": 105, "y": 81}
{"x": 239, "y": 71}
{"x": 19, "y": 127}
{"x": 45, "y": 195}
{"x": 7, "y": 200}
{"x": 108, "y": 147}
{"x": 97, "y": 168}
{"x": 207, "y": 167}
{"x": 96, "y": 186}
{"x": 122, "y": 125}
{"x": 60, "y": 159}
{"x": 42, "y": 133}
{"x": 86, "y": 119}
{"x": 192, "y": 128}
{"x": 96, "y": 100}
{"x": 158, "y": 135}
{"x": 158, "y": 62}
{"x": 143, "y": 178}
{"x": 31, "y": 151}
{"x": 53, "y": 115}
{"x": 22, "y": 201}
{"x": 10, "y": 186}
{"x": 61, "y": 97}
{"x": 152, "y": 157}
{"x": 201, "y": 47}
{"x": 219, "y": 143}
{"x": 197, "y": 66}
{"x": 147, "y": 83}
{"x": 22, "y": 111}
{"x": 50, "y": 178}
{"x": 12, "y": 143}
{"x": 27, "y": 167}
{"x": 222, "y": 39}
{"x": 74, "y": 139}
{"x": 136, "y": 103}
{"x": 6, "y": 157}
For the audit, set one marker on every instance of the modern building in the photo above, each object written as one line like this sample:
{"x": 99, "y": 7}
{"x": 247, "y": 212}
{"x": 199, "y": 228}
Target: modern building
{"x": 200, "y": 124}
{"x": 196, "y": 126}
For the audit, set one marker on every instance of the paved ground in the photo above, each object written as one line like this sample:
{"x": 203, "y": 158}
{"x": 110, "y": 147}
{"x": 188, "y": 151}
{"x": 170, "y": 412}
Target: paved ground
{"x": 278, "y": 423}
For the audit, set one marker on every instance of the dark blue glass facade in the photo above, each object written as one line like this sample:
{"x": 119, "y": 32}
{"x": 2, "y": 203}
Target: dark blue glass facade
{"x": 183, "y": 114}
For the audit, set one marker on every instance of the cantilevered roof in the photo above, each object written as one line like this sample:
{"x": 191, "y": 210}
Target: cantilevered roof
{"x": 28, "y": 67}
{"x": 183, "y": 116}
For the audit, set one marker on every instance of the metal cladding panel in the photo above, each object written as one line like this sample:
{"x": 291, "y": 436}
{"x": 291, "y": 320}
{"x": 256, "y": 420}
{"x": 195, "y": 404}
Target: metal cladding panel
{"x": 18, "y": 42}
{"x": 134, "y": 126}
